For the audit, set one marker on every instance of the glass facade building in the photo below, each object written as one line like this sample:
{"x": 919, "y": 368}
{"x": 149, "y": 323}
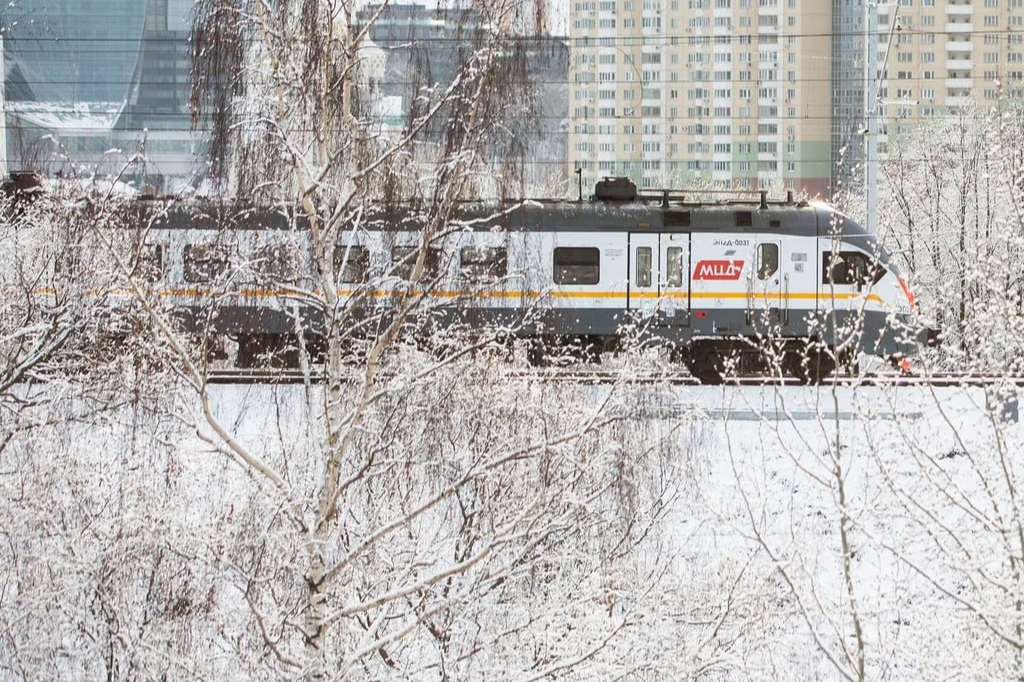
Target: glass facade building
{"x": 847, "y": 96}
{"x": 85, "y": 77}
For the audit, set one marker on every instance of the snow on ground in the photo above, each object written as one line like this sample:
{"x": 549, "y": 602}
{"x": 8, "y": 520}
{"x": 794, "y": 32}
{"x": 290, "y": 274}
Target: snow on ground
{"x": 921, "y": 480}
{"x": 924, "y": 475}
{"x": 924, "y": 478}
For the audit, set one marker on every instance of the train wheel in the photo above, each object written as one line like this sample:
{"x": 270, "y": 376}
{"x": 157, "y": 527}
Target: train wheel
{"x": 247, "y": 352}
{"x": 811, "y": 366}
{"x": 537, "y": 353}
{"x": 707, "y": 369}
{"x": 267, "y": 350}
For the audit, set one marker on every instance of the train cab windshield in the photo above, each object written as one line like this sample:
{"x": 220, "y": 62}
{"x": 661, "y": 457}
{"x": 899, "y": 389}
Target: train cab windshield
{"x": 850, "y": 268}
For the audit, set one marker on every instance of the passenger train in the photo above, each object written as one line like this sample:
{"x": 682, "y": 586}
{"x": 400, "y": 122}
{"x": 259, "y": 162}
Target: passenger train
{"x": 737, "y": 285}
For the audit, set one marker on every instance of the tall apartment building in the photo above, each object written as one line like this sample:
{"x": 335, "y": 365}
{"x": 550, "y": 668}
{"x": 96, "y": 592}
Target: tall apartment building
{"x": 950, "y": 55}
{"x": 746, "y": 92}
{"x": 670, "y": 92}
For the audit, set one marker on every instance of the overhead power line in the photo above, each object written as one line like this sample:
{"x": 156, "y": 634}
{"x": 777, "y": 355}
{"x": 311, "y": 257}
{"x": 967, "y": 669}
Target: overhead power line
{"x": 684, "y": 38}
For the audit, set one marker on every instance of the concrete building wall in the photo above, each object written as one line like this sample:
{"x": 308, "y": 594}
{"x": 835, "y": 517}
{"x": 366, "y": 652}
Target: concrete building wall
{"x": 422, "y": 48}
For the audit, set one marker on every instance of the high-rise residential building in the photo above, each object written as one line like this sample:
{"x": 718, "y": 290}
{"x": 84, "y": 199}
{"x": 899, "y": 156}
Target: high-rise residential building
{"x": 92, "y": 83}
{"x": 948, "y": 56}
{"x": 742, "y": 93}
{"x": 671, "y": 92}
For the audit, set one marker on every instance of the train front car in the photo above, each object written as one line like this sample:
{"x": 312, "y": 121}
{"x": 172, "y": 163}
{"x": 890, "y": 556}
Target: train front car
{"x": 865, "y": 304}
{"x": 746, "y": 287}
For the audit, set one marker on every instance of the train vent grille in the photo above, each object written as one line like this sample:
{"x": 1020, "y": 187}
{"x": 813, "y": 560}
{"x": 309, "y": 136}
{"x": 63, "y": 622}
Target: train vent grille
{"x": 677, "y": 219}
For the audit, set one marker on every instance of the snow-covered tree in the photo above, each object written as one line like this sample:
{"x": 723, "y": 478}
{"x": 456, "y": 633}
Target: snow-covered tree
{"x": 405, "y": 517}
{"x": 951, "y": 211}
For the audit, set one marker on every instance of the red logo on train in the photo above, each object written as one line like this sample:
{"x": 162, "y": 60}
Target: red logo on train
{"x": 727, "y": 270}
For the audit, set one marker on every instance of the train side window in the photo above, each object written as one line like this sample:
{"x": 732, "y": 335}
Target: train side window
{"x": 150, "y": 265}
{"x": 273, "y": 262}
{"x": 577, "y": 265}
{"x": 205, "y": 262}
{"x": 643, "y": 266}
{"x": 351, "y": 264}
{"x": 483, "y": 264}
{"x": 403, "y": 260}
{"x": 674, "y": 271}
{"x": 767, "y": 260}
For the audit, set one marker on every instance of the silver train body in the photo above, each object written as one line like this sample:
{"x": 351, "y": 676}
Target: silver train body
{"x": 731, "y": 282}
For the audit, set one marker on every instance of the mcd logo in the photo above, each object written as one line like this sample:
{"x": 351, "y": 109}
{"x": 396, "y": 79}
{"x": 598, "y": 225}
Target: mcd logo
{"x": 718, "y": 269}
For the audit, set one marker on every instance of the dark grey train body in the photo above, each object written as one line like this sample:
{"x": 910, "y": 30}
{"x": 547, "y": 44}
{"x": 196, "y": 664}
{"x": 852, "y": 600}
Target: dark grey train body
{"x": 746, "y": 280}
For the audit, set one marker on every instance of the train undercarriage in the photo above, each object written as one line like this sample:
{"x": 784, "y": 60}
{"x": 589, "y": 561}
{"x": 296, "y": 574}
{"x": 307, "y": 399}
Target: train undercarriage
{"x": 711, "y": 361}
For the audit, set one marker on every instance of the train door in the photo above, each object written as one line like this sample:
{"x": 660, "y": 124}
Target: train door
{"x": 644, "y": 276}
{"x": 766, "y": 296}
{"x": 675, "y": 278}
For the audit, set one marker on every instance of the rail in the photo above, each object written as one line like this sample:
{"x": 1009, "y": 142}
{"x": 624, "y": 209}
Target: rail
{"x": 676, "y": 378}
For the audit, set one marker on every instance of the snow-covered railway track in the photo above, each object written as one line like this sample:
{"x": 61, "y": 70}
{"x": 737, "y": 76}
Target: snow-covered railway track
{"x": 681, "y": 378}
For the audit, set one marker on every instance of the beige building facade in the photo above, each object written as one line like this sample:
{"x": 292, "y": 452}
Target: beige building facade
{"x": 949, "y": 55}
{"x": 751, "y": 93}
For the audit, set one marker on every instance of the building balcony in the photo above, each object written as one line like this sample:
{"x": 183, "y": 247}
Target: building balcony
{"x": 959, "y": 64}
{"x": 959, "y": 101}
{"x": 960, "y": 10}
{"x": 966, "y": 27}
{"x": 959, "y": 83}
{"x": 959, "y": 46}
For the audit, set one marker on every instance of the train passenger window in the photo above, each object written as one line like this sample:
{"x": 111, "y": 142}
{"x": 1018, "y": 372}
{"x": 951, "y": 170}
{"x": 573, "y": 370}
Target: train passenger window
{"x": 643, "y": 266}
{"x": 273, "y": 262}
{"x": 767, "y": 260}
{"x": 150, "y": 265}
{"x": 351, "y": 264}
{"x": 577, "y": 265}
{"x": 483, "y": 264}
{"x": 205, "y": 262}
{"x": 674, "y": 267}
{"x": 850, "y": 268}
{"x": 403, "y": 260}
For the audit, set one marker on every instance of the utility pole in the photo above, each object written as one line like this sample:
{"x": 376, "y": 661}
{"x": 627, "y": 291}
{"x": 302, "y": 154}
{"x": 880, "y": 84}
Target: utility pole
{"x": 873, "y": 102}
{"x": 3, "y": 110}
{"x": 871, "y": 115}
